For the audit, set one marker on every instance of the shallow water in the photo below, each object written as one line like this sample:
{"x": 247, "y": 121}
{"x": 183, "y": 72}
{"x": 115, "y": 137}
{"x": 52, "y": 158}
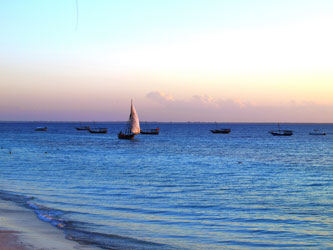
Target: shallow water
{"x": 185, "y": 188}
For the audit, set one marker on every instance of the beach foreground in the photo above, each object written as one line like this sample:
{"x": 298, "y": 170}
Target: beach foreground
{"x": 9, "y": 241}
{"x": 21, "y": 230}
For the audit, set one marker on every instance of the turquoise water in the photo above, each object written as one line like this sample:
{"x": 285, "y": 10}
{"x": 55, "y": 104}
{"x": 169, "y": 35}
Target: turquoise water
{"x": 185, "y": 188}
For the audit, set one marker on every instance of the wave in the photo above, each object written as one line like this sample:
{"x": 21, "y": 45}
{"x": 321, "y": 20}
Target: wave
{"x": 76, "y": 230}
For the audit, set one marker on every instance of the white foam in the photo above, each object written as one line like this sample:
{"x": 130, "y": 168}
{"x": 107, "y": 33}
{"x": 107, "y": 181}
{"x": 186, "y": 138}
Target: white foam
{"x": 33, "y": 232}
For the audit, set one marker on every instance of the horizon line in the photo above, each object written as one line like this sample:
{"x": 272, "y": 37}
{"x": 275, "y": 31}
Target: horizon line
{"x": 91, "y": 121}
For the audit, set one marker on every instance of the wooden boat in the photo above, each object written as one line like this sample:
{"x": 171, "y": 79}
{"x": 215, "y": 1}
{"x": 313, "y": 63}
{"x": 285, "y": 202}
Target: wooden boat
{"x": 127, "y": 134}
{"x": 133, "y": 125}
{"x": 221, "y": 131}
{"x": 152, "y": 131}
{"x": 98, "y": 130}
{"x": 82, "y": 127}
{"x": 281, "y": 132}
{"x": 317, "y": 132}
{"x": 41, "y": 129}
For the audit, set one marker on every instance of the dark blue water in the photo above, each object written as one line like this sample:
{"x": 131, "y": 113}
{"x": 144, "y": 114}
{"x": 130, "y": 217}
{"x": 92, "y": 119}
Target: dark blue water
{"x": 185, "y": 188}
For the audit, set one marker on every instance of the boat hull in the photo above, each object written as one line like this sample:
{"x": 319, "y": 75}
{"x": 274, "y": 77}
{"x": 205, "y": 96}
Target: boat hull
{"x": 125, "y": 136}
{"x": 82, "y": 128}
{"x": 41, "y": 129}
{"x": 221, "y": 131}
{"x": 317, "y": 132}
{"x": 150, "y": 131}
{"x": 314, "y": 133}
{"x": 98, "y": 131}
{"x": 281, "y": 133}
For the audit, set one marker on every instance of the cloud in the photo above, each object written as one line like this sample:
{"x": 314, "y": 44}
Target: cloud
{"x": 164, "y": 107}
{"x": 202, "y": 101}
{"x": 205, "y": 108}
{"x": 160, "y": 97}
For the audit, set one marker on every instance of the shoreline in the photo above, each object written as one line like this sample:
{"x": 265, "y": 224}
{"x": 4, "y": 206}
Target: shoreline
{"x": 20, "y": 229}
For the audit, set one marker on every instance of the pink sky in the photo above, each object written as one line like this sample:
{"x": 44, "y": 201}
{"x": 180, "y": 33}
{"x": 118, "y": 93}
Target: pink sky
{"x": 241, "y": 61}
{"x": 157, "y": 106}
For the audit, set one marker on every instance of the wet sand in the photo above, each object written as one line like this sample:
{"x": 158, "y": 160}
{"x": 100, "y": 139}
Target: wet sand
{"x": 20, "y": 229}
{"x": 10, "y": 241}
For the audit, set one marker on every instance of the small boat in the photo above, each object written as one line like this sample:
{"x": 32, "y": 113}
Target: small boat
{"x": 281, "y": 132}
{"x": 126, "y": 134}
{"x": 41, "y": 129}
{"x": 317, "y": 132}
{"x": 82, "y": 127}
{"x": 133, "y": 125}
{"x": 151, "y": 131}
{"x": 98, "y": 130}
{"x": 221, "y": 131}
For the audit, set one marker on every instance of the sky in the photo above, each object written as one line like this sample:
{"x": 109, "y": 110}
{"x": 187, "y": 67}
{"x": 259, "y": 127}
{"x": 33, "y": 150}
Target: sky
{"x": 179, "y": 60}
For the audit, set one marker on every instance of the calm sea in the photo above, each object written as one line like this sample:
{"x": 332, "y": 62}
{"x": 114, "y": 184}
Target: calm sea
{"x": 185, "y": 188}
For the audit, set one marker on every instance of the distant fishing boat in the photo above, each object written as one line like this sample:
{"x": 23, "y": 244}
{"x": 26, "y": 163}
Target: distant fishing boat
{"x": 41, "y": 129}
{"x": 150, "y": 131}
{"x": 82, "y": 127}
{"x": 281, "y": 132}
{"x": 133, "y": 125}
{"x": 317, "y": 132}
{"x": 221, "y": 130}
{"x": 97, "y": 130}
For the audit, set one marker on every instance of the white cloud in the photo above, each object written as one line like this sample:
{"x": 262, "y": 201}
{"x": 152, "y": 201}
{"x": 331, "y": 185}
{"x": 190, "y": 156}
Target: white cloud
{"x": 160, "y": 97}
{"x": 208, "y": 109}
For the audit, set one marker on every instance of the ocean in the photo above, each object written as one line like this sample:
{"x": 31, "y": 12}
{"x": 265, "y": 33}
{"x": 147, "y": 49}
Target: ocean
{"x": 185, "y": 188}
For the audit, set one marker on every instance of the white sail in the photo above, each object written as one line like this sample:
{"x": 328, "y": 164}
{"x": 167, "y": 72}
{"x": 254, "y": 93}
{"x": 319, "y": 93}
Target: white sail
{"x": 134, "y": 120}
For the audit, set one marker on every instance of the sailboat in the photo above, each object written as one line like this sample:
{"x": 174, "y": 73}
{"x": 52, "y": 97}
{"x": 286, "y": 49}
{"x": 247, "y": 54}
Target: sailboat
{"x": 133, "y": 125}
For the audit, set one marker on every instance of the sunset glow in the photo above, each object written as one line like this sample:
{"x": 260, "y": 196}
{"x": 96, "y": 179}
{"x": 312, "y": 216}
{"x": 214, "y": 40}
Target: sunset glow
{"x": 230, "y": 61}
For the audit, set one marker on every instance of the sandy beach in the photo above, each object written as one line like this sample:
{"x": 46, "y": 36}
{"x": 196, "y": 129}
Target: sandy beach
{"x": 20, "y": 229}
{"x": 9, "y": 241}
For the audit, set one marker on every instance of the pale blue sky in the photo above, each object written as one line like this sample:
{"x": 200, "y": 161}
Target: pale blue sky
{"x": 257, "y": 54}
{"x": 40, "y": 24}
